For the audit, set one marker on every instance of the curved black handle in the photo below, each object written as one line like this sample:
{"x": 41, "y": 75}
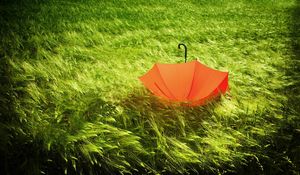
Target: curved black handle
{"x": 185, "y": 50}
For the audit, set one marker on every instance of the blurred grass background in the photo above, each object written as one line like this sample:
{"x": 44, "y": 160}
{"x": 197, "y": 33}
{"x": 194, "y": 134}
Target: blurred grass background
{"x": 71, "y": 101}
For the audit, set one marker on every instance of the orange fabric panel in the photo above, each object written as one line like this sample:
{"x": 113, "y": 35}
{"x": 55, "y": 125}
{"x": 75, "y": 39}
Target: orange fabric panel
{"x": 153, "y": 81}
{"x": 178, "y": 78}
{"x": 221, "y": 89}
{"x": 206, "y": 80}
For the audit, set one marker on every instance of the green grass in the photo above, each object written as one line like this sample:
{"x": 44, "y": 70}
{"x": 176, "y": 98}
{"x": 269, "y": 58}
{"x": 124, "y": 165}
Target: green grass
{"x": 71, "y": 101}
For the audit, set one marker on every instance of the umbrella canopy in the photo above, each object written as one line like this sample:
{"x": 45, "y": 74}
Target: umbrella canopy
{"x": 190, "y": 82}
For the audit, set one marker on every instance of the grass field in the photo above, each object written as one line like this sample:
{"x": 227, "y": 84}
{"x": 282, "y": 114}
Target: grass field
{"x": 71, "y": 101}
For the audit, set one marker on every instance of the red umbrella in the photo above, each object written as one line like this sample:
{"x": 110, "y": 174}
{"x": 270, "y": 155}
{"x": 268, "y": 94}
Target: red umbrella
{"x": 191, "y": 82}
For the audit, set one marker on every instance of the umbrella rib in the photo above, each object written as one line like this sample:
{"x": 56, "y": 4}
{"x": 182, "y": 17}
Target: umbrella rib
{"x": 188, "y": 96}
{"x": 161, "y": 90}
{"x": 206, "y": 97}
{"x": 165, "y": 83}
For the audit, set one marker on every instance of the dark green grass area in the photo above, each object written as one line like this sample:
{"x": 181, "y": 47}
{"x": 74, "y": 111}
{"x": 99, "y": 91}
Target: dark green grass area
{"x": 71, "y": 101}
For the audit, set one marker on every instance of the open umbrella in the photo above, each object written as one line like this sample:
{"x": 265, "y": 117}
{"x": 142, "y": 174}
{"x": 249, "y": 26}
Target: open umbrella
{"x": 189, "y": 82}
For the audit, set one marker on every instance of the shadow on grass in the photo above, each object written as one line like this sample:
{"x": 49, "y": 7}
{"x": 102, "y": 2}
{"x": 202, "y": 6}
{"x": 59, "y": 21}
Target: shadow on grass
{"x": 282, "y": 155}
{"x": 156, "y": 121}
{"x": 174, "y": 119}
{"x": 291, "y": 126}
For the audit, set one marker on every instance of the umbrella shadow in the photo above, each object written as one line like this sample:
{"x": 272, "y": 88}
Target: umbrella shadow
{"x": 147, "y": 112}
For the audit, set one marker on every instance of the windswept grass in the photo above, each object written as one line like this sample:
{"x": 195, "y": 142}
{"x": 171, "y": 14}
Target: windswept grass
{"x": 71, "y": 101}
